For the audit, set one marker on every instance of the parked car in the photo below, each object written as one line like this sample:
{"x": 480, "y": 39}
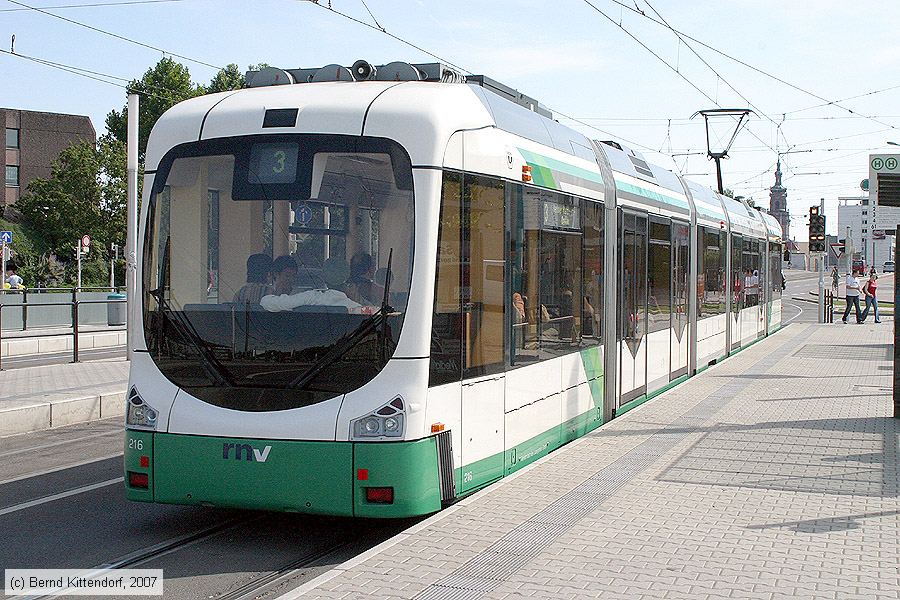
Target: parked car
{"x": 859, "y": 265}
{"x": 888, "y": 266}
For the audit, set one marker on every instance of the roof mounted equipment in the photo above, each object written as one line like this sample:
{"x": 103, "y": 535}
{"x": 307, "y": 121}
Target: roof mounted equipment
{"x": 362, "y": 70}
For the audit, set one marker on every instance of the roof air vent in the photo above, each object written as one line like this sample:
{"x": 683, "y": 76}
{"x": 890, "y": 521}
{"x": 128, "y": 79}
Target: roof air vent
{"x": 398, "y": 71}
{"x": 332, "y": 73}
{"x": 641, "y": 166}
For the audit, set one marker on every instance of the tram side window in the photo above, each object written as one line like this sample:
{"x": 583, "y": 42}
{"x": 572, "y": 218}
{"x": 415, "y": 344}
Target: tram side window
{"x": 775, "y": 276}
{"x": 592, "y": 273}
{"x": 680, "y": 252}
{"x": 659, "y": 276}
{"x": 548, "y": 280}
{"x": 712, "y": 273}
{"x": 483, "y": 275}
{"x": 737, "y": 274}
{"x": 446, "y": 329}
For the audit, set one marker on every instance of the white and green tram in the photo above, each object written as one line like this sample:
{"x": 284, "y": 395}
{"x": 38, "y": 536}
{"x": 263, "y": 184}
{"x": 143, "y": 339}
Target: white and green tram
{"x": 370, "y": 291}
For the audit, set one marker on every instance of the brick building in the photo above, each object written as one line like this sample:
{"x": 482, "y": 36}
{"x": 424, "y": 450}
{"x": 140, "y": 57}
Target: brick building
{"x": 33, "y": 141}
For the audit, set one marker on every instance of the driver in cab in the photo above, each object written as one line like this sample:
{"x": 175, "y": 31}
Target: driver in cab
{"x": 335, "y": 270}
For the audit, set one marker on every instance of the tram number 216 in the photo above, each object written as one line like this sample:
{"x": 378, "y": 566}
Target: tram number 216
{"x": 134, "y": 444}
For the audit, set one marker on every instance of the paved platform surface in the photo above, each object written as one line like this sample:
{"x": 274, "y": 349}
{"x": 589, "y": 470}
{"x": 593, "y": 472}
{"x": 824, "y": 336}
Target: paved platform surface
{"x": 34, "y": 398}
{"x": 772, "y": 475}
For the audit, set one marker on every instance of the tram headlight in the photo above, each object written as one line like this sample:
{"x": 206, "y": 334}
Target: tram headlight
{"x": 140, "y": 414}
{"x": 387, "y": 421}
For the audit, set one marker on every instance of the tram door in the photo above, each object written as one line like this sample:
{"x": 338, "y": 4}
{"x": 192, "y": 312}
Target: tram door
{"x": 632, "y": 307}
{"x": 737, "y": 290}
{"x": 482, "y": 290}
{"x": 764, "y": 289}
{"x": 681, "y": 240}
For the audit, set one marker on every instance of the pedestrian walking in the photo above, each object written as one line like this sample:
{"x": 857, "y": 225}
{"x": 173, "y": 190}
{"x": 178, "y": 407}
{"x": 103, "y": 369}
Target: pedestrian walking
{"x": 870, "y": 289}
{"x": 851, "y": 296}
{"x": 835, "y": 277}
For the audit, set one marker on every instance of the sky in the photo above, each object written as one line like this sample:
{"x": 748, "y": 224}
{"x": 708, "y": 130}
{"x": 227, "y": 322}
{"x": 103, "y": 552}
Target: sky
{"x": 604, "y": 63}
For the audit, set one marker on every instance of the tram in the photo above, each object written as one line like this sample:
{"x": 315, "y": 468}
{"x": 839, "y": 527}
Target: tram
{"x": 371, "y": 291}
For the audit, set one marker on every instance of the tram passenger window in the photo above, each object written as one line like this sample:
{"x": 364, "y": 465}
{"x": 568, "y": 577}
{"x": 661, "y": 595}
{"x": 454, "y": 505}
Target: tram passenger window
{"x": 446, "y": 329}
{"x": 737, "y": 275}
{"x": 712, "y": 270}
{"x": 546, "y": 304}
{"x": 659, "y": 276}
{"x": 560, "y": 276}
{"x": 775, "y": 275}
{"x": 592, "y": 273}
{"x": 524, "y": 258}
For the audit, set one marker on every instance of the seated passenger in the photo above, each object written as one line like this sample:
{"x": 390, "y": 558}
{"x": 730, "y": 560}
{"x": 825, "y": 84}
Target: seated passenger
{"x": 258, "y": 268}
{"x": 284, "y": 274}
{"x": 336, "y": 272}
{"x": 360, "y": 286}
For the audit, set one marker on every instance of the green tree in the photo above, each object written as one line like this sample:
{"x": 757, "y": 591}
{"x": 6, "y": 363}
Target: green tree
{"x": 85, "y": 194}
{"x": 162, "y": 87}
{"x": 227, "y": 79}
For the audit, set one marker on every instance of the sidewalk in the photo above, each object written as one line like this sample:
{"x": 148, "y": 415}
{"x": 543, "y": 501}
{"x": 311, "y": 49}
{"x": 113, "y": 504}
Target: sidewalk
{"x": 33, "y": 398}
{"x": 771, "y": 475}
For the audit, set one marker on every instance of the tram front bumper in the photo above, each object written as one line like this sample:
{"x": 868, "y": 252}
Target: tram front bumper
{"x": 330, "y": 478}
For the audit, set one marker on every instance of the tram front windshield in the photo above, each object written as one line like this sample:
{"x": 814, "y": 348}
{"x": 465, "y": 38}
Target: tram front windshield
{"x": 277, "y": 268}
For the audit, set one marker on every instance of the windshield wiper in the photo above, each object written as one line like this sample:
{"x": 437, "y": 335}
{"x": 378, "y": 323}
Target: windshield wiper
{"x": 377, "y": 321}
{"x": 218, "y": 373}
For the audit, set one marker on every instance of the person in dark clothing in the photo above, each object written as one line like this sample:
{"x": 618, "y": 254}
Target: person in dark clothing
{"x": 258, "y": 268}
{"x": 360, "y": 287}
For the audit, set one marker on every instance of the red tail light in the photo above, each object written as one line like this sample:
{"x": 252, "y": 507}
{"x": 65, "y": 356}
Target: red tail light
{"x": 138, "y": 480}
{"x": 380, "y": 495}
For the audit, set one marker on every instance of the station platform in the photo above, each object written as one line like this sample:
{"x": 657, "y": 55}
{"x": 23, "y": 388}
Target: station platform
{"x": 41, "y": 397}
{"x": 771, "y": 475}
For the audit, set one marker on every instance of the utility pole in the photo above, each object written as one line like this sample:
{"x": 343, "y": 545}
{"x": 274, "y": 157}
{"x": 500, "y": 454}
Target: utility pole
{"x": 131, "y": 220}
{"x": 822, "y": 270}
{"x": 78, "y": 258}
{"x": 5, "y": 254}
{"x": 112, "y": 266}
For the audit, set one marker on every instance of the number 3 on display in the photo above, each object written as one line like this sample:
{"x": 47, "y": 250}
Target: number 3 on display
{"x": 280, "y": 157}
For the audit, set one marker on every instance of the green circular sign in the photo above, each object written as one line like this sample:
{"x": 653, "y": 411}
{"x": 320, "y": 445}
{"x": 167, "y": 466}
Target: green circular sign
{"x": 864, "y": 185}
{"x": 891, "y": 163}
{"x": 877, "y": 164}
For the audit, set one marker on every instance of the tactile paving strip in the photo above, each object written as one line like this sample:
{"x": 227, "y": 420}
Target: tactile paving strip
{"x": 494, "y": 565}
{"x": 842, "y": 352}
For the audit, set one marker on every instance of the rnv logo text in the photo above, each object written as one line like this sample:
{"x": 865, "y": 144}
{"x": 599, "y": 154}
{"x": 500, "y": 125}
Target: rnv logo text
{"x": 251, "y": 453}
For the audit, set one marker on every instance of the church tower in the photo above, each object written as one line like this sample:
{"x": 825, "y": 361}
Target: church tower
{"x": 778, "y": 204}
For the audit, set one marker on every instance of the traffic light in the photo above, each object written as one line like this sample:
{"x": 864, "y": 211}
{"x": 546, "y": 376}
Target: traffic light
{"x": 816, "y": 230}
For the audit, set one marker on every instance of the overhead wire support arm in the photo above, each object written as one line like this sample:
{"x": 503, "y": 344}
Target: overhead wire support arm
{"x": 722, "y": 150}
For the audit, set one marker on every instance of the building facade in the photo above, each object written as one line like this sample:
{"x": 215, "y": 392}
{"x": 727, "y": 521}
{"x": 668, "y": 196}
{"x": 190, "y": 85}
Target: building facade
{"x": 856, "y": 225}
{"x": 33, "y": 141}
{"x": 884, "y": 201}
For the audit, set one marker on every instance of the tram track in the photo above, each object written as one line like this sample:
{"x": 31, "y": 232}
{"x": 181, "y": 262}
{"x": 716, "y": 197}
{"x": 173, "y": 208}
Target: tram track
{"x": 143, "y": 555}
{"x": 252, "y": 589}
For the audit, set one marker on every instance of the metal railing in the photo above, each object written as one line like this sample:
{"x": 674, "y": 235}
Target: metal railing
{"x": 74, "y": 303}
{"x": 25, "y": 293}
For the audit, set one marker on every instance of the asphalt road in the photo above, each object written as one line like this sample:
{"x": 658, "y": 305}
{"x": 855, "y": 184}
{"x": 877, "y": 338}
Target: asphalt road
{"x": 62, "y": 505}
